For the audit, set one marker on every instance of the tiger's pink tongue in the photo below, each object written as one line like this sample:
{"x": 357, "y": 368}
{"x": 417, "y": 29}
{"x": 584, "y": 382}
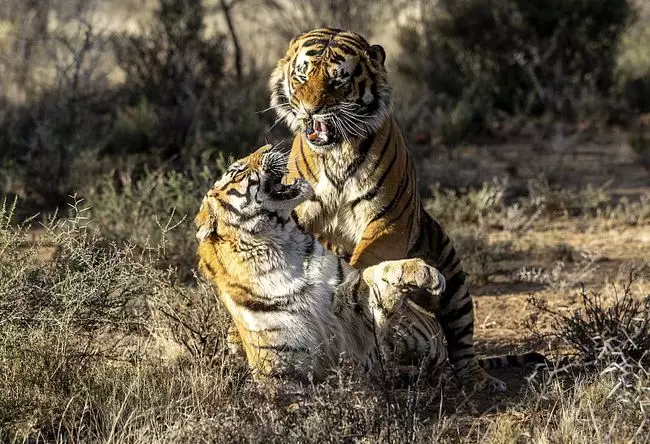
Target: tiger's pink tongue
{"x": 319, "y": 126}
{"x": 319, "y": 132}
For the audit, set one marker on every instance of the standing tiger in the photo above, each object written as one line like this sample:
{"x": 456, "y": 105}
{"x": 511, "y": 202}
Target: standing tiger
{"x": 298, "y": 307}
{"x": 332, "y": 91}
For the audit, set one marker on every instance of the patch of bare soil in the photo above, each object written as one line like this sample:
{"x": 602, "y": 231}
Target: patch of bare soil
{"x": 553, "y": 258}
{"x": 599, "y": 260}
{"x": 570, "y": 159}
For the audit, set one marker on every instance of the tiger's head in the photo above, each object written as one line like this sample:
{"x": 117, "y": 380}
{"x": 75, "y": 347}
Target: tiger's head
{"x": 250, "y": 196}
{"x": 331, "y": 85}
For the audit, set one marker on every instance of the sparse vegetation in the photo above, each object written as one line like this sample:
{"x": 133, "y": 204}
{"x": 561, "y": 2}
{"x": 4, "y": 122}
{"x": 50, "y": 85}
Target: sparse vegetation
{"x": 99, "y": 343}
{"x": 481, "y": 60}
{"x": 489, "y": 207}
{"x": 173, "y": 108}
{"x": 609, "y": 337}
{"x": 156, "y": 208}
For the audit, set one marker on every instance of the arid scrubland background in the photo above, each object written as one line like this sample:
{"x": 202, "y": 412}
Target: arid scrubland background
{"x": 531, "y": 128}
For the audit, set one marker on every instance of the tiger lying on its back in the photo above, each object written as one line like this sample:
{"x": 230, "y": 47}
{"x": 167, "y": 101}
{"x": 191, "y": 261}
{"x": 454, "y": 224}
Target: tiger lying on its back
{"x": 332, "y": 90}
{"x": 297, "y": 306}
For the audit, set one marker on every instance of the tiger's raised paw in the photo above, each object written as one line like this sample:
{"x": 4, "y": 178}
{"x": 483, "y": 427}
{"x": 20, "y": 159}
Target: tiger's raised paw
{"x": 410, "y": 274}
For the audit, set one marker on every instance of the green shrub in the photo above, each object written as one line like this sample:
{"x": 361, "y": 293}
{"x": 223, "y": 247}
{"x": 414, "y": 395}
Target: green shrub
{"x": 523, "y": 56}
{"x": 180, "y": 102}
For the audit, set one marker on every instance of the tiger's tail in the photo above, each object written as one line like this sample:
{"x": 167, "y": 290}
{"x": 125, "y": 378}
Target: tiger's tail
{"x": 530, "y": 359}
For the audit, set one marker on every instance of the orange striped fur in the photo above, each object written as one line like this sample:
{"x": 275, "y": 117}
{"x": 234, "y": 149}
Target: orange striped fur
{"x": 296, "y": 306}
{"x": 332, "y": 91}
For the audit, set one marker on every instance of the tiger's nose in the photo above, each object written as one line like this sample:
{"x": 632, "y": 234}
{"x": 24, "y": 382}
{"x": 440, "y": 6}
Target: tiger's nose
{"x": 311, "y": 110}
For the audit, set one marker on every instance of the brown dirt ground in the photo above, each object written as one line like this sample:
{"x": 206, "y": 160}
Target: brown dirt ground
{"x": 563, "y": 156}
{"x": 501, "y": 305}
{"x": 502, "y": 308}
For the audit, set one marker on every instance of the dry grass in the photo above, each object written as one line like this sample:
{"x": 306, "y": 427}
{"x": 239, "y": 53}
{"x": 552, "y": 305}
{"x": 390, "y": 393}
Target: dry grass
{"x": 101, "y": 342}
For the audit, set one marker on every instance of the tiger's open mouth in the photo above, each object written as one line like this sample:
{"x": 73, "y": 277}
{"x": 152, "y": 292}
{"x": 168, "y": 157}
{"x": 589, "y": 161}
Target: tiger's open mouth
{"x": 278, "y": 191}
{"x": 320, "y": 132}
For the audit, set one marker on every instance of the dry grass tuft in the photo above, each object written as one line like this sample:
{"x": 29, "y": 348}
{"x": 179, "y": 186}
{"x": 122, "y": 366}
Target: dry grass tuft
{"x": 103, "y": 340}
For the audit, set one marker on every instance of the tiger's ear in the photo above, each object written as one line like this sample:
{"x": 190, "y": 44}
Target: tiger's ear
{"x": 377, "y": 53}
{"x": 292, "y": 47}
{"x": 205, "y": 221}
{"x": 296, "y": 38}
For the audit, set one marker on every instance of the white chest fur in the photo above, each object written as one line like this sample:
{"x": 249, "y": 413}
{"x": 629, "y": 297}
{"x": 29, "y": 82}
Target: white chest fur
{"x": 339, "y": 212}
{"x": 304, "y": 285}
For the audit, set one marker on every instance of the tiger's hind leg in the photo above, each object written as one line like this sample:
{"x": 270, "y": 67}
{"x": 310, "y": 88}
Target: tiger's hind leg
{"x": 416, "y": 342}
{"x": 455, "y": 309}
{"x": 457, "y": 320}
{"x": 412, "y": 341}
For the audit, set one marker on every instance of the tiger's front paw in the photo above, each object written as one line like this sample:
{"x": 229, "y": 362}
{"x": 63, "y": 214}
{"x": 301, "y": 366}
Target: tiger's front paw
{"x": 411, "y": 274}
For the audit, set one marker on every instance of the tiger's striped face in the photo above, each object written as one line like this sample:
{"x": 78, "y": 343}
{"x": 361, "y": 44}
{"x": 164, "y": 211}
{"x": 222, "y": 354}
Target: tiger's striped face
{"x": 250, "y": 196}
{"x": 332, "y": 86}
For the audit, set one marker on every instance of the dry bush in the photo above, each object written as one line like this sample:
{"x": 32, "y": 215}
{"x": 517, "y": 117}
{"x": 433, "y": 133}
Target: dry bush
{"x": 607, "y": 341}
{"x": 467, "y": 207}
{"x": 567, "y": 202}
{"x": 154, "y": 207}
{"x": 175, "y": 79}
{"x": 180, "y": 102}
{"x": 639, "y": 141}
{"x": 604, "y": 336}
{"x": 291, "y": 18}
{"x": 562, "y": 275}
{"x": 482, "y": 260}
{"x": 496, "y": 205}
{"x": 62, "y": 314}
{"x": 195, "y": 320}
{"x": 85, "y": 351}
{"x": 43, "y": 135}
{"x": 176, "y": 106}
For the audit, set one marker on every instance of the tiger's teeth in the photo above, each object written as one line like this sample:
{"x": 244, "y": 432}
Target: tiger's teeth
{"x": 318, "y": 132}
